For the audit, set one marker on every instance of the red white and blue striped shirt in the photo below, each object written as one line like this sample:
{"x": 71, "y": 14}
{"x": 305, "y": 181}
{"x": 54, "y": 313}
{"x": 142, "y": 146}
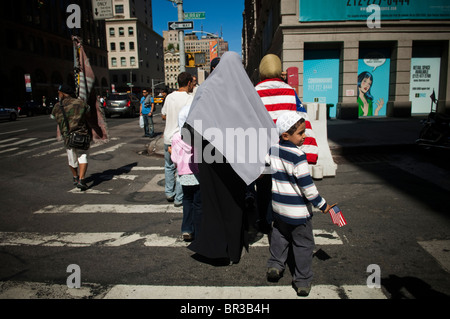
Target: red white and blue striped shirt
{"x": 279, "y": 97}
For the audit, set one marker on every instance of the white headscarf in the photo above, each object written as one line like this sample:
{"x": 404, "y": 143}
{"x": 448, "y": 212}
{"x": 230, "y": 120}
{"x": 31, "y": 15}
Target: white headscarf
{"x": 228, "y": 112}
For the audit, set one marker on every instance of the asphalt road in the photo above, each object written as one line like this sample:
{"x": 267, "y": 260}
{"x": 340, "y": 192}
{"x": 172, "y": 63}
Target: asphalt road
{"x": 396, "y": 211}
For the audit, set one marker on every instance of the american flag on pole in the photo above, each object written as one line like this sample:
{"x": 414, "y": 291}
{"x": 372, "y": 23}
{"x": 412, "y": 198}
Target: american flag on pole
{"x": 337, "y": 217}
{"x": 87, "y": 76}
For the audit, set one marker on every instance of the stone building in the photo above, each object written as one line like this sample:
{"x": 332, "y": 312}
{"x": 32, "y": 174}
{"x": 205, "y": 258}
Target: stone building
{"x": 402, "y": 47}
{"x": 36, "y": 40}
{"x": 135, "y": 50}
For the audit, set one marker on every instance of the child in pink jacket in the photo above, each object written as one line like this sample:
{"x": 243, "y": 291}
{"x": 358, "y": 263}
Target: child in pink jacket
{"x": 183, "y": 157}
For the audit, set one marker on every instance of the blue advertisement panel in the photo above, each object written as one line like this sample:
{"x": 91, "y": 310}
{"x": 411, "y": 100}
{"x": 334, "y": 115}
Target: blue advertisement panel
{"x": 373, "y": 82}
{"x": 321, "y": 78}
{"x": 343, "y": 10}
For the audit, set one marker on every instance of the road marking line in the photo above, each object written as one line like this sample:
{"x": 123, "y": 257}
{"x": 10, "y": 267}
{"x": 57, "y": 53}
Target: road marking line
{"x": 43, "y": 141}
{"x": 59, "y": 149}
{"x": 150, "y": 168}
{"x": 9, "y": 150}
{"x": 19, "y": 142}
{"x": 25, "y": 129}
{"x": 107, "y": 150}
{"x": 41, "y": 290}
{"x": 8, "y": 140}
{"x": 110, "y": 209}
{"x": 114, "y": 239}
{"x": 440, "y": 250}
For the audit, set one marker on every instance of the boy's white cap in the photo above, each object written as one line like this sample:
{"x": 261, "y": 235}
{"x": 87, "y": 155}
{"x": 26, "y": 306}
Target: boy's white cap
{"x": 286, "y": 120}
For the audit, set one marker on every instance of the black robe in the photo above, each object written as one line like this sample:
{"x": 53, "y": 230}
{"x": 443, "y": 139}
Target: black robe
{"x": 224, "y": 223}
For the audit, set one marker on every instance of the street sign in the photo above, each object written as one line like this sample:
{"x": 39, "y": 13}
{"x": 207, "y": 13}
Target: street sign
{"x": 183, "y": 25}
{"x": 102, "y": 9}
{"x": 194, "y": 15}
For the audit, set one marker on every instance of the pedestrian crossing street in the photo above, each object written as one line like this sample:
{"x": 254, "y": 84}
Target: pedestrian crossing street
{"x": 36, "y": 148}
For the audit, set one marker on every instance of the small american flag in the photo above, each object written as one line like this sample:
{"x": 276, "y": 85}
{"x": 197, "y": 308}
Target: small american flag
{"x": 337, "y": 217}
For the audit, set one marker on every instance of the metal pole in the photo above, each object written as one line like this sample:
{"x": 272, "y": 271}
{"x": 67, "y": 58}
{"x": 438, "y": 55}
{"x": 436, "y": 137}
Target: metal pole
{"x": 181, "y": 37}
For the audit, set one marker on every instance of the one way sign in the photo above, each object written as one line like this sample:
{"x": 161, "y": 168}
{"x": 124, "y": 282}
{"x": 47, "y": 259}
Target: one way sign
{"x": 102, "y": 9}
{"x": 182, "y": 25}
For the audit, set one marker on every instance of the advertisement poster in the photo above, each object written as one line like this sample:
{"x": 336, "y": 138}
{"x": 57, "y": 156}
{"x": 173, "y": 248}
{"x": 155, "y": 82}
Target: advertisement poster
{"x": 321, "y": 78}
{"x": 424, "y": 80}
{"x": 343, "y": 10}
{"x": 373, "y": 82}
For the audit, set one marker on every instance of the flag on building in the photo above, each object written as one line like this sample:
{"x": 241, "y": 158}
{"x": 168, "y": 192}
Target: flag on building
{"x": 337, "y": 217}
{"x": 213, "y": 52}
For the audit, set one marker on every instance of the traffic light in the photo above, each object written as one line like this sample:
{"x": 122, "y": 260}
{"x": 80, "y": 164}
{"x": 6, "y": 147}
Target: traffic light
{"x": 194, "y": 59}
{"x": 190, "y": 60}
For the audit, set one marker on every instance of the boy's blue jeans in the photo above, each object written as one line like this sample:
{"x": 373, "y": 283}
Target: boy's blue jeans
{"x": 192, "y": 210}
{"x": 173, "y": 186}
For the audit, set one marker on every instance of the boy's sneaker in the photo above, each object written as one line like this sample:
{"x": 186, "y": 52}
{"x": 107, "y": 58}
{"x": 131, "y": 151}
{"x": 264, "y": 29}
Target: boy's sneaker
{"x": 273, "y": 274}
{"x": 82, "y": 185}
{"x": 76, "y": 180}
{"x": 302, "y": 291}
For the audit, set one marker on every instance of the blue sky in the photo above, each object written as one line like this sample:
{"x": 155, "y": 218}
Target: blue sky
{"x": 219, "y": 14}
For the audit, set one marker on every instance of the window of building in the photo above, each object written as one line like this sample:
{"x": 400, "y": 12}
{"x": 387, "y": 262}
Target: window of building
{"x": 131, "y": 46}
{"x": 112, "y": 32}
{"x": 132, "y": 61}
{"x": 122, "y": 46}
{"x": 123, "y": 61}
{"x": 113, "y": 46}
{"x": 130, "y": 31}
{"x": 121, "y": 31}
{"x": 119, "y": 9}
{"x": 113, "y": 61}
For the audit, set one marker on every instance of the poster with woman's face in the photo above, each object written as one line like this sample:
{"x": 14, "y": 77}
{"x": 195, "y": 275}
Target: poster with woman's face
{"x": 373, "y": 82}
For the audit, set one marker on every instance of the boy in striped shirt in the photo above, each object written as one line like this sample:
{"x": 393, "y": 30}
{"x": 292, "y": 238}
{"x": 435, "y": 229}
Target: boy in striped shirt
{"x": 293, "y": 192}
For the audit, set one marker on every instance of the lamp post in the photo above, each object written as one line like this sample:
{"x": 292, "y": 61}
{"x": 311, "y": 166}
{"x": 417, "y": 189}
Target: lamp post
{"x": 179, "y": 4}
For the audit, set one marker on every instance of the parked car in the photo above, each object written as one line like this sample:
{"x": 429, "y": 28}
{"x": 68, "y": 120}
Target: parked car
{"x": 9, "y": 113}
{"x": 31, "y": 108}
{"x": 121, "y": 103}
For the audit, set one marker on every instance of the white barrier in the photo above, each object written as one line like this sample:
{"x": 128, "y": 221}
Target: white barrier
{"x": 325, "y": 166}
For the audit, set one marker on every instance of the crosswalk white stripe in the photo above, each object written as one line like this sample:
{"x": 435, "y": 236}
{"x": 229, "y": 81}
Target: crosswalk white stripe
{"x": 19, "y": 142}
{"x": 43, "y": 141}
{"x": 41, "y": 290}
{"x": 110, "y": 209}
{"x": 59, "y": 149}
{"x": 116, "y": 239}
{"x": 8, "y": 140}
{"x": 150, "y": 168}
{"x": 9, "y": 150}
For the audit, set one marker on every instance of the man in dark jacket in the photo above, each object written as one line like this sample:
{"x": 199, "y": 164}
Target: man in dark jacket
{"x": 76, "y": 111}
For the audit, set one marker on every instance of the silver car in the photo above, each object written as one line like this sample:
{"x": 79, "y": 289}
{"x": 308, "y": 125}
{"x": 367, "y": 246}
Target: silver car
{"x": 8, "y": 113}
{"x": 122, "y": 103}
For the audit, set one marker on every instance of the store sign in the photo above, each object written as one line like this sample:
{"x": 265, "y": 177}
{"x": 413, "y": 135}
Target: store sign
{"x": 424, "y": 81}
{"x": 343, "y": 10}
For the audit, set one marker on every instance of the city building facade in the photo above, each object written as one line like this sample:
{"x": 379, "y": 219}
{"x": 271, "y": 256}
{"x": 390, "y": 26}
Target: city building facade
{"x": 330, "y": 47}
{"x": 37, "y": 42}
{"x": 193, "y": 45}
{"x": 135, "y": 50}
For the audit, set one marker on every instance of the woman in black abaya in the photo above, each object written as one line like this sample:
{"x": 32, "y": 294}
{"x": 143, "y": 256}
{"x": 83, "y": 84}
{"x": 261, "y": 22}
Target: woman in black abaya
{"x": 227, "y": 100}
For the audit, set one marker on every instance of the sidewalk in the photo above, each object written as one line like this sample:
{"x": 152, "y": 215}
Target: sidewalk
{"x": 352, "y": 135}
